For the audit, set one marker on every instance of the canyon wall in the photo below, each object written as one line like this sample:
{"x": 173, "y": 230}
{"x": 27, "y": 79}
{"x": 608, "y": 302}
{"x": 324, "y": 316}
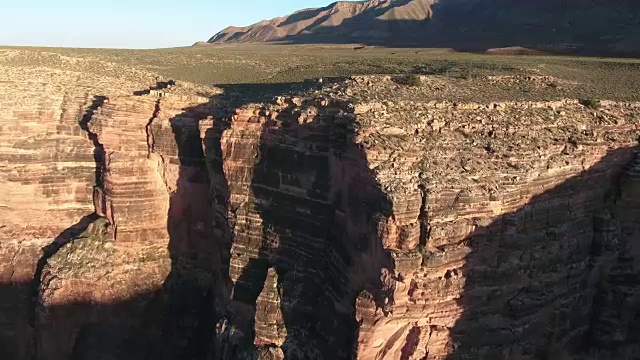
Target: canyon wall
{"x": 48, "y": 171}
{"x": 76, "y": 182}
{"x": 151, "y": 273}
{"x": 519, "y": 230}
{"x": 331, "y": 225}
{"x": 304, "y": 209}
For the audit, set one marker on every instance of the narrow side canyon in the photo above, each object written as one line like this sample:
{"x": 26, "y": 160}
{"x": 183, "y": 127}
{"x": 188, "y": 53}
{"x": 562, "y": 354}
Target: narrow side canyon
{"x": 358, "y": 219}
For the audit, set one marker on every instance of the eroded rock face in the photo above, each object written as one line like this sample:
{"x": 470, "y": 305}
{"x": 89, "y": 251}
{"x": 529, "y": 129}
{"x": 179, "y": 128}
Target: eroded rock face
{"x": 52, "y": 166}
{"x": 304, "y": 203}
{"x": 514, "y": 225}
{"x": 318, "y": 227}
{"x": 65, "y": 288}
{"x": 47, "y": 175}
{"x": 154, "y": 194}
{"x": 47, "y": 158}
{"x": 493, "y": 225}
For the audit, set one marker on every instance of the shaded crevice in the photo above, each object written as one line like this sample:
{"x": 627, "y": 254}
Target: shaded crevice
{"x": 98, "y": 149}
{"x": 151, "y": 141}
{"x": 411, "y": 344}
{"x": 309, "y": 238}
{"x": 223, "y": 217}
{"x": 150, "y": 138}
{"x": 101, "y": 159}
{"x": 425, "y": 230}
{"x": 187, "y": 301}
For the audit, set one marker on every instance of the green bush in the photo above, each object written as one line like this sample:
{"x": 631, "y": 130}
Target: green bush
{"x": 413, "y": 80}
{"x": 469, "y": 74}
{"x": 591, "y": 103}
{"x": 426, "y": 254}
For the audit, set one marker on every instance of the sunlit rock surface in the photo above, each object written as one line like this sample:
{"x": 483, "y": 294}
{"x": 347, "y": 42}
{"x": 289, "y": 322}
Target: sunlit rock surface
{"x": 365, "y": 219}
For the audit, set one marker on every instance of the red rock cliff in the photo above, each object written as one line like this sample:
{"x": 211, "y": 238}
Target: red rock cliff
{"x": 316, "y": 227}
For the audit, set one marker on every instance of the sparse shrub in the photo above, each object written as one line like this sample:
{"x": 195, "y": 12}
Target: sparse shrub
{"x": 413, "y": 80}
{"x": 591, "y": 103}
{"x": 426, "y": 254}
{"x": 469, "y": 74}
{"x": 553, "y": 85}
{"x": 436, "y": 68}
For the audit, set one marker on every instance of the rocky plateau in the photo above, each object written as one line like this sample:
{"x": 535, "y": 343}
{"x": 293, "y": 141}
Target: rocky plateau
{"x": 363, "y": 218}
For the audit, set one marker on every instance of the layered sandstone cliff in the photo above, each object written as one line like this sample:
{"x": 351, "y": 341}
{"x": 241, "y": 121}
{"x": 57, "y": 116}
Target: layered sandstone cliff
{"x": 366, "y": 219}
{"x": 519, "y": 204}
{"x": 47, "y": 171}
{"x": 54, "y": 176}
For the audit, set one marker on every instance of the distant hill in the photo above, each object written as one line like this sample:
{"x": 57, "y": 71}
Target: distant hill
{"x": 600, "y": 26}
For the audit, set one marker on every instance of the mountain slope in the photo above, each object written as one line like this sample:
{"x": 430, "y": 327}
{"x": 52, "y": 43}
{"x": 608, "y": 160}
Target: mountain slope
{"x": 351, "y": 19}
{"x": 568, "y": 25}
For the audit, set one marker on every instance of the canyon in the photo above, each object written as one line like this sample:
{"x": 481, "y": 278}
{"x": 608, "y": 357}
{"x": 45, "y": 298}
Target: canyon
{"x": 359, "y": 218}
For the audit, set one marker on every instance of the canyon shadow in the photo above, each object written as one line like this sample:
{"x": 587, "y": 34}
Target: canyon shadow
{"x": 314, "y": 207}
{"x": 317, "y": 205}
{"x": 536, "y": 280}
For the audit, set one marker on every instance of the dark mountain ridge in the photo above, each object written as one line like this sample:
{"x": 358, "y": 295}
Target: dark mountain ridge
{"x": 596, "y": 26}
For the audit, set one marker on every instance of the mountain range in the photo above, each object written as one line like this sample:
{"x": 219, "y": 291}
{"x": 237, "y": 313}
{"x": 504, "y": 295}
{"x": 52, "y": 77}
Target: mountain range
{"x": 611, "y": 26}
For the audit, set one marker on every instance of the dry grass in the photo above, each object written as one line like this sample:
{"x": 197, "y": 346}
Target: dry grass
{"x": 616, "y": 79}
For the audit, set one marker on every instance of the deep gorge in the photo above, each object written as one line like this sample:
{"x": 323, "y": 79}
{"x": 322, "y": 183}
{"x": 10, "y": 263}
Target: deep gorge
{"x": 312, "y": 226}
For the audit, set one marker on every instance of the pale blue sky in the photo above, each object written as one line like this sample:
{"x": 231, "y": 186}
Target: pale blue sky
{"x": 131, "y": 23}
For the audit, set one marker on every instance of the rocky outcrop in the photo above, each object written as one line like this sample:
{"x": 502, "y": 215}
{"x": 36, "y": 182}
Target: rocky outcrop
{"x": 53, "y": 165}
{"x": 303, "y": 203}
{"x": 154, "y": 194}
{"x": 61, "y": 277}
{"x": 490, "y": 222}
{"x": 366, "y": 219}
{"x": 47, "y": 174}
{"x": 506, "y": 264}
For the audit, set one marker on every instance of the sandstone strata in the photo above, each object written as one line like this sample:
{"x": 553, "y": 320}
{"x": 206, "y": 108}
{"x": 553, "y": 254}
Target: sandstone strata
{"x": 513, "y": 196}
{"x": 367, "y": 220}
{"x": 154, "y": 194}
{"x": 490, "y": 218}
{"x": 47, "y": 173}
{"x": 52, "y": 168}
